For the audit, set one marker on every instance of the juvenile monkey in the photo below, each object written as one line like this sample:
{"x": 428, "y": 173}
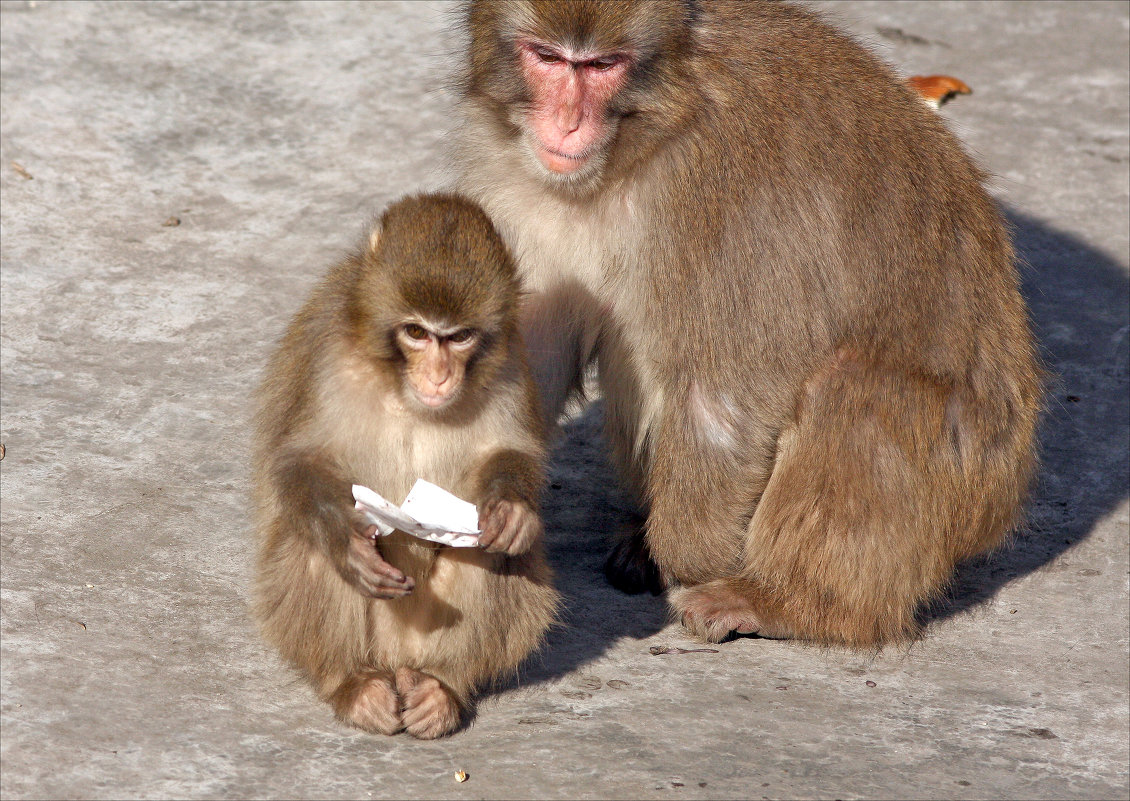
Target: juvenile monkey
{"x": 819, "y": 376}
{"x": 405, "y": 363}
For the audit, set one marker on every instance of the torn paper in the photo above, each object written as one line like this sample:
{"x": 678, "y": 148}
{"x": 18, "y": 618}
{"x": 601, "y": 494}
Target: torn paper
{"x": 429, "y": 512}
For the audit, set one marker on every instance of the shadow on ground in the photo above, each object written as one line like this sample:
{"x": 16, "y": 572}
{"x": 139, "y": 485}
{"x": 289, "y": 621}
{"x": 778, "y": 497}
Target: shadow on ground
{"x": 583, "y": 511}
{"x": 1077, "y": 297}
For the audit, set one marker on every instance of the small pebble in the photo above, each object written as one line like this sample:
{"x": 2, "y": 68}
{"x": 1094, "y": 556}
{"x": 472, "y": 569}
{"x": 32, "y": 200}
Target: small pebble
{"x": 460, "y": 776}
{"x": 869, "y": 683}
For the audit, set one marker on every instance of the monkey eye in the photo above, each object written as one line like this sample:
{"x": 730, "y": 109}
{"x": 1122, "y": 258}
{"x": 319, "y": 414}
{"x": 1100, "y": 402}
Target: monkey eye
{"x": 603, "y": 64}
{"x": 547, "y": 56}
{"x": 415, "y": 331}
{"x": 462, "y": 335}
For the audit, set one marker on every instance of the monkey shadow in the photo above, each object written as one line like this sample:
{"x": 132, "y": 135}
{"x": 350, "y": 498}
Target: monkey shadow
{"x": 1079, "y": 300}
{"x": 584, "y": 510}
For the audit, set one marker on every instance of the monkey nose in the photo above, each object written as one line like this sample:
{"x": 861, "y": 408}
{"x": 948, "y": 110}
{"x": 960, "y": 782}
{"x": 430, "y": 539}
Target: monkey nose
{"x": 435, "y": 389}
{"x": 439, "y": 380}
{"x": 569, "y": 119}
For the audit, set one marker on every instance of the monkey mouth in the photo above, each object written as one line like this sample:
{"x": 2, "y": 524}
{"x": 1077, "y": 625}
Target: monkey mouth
{"x": 433, "y": 401}
{"x": 560, "y": 162}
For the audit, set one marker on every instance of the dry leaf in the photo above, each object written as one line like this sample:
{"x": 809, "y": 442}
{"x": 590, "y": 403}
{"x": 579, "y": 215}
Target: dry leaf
{"x": 936, "y": 90}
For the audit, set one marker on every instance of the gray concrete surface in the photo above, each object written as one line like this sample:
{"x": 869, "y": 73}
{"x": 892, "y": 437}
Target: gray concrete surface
{"x": 129, "y": 666}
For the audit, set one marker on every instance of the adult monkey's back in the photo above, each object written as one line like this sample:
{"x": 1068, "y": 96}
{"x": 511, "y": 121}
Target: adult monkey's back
{"x": 819, "y": 374}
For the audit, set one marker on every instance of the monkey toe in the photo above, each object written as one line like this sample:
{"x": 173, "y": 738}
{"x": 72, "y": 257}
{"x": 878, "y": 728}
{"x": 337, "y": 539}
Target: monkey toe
{"x": 370, "y": 702}
{"x": 630, "y": 569}
{"x": 428, "y": 708}
{"x": 710, "y": 612}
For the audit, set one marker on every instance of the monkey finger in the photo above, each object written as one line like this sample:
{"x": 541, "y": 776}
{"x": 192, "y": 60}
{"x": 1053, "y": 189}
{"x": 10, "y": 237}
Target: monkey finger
{"x": 379, "y": 586}
{"x": 497, "y": 534}
{"x": 371, "y": 568}
{"x": 387, "y": 571}
{"x": 361, "y": 525}
{"x": 530, "y": 531}
{"x": 388, "y": 593}
{"x": 365, "y": 552}
{"x": 488, "y": 527}
{"x": 520, "y": 532}
{"x": 486, "y": 517}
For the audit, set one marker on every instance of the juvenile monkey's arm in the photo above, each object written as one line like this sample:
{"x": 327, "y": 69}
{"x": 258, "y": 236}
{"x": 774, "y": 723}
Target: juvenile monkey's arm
{"x": 315, "y": 501}
{"x": 508, "y": 489}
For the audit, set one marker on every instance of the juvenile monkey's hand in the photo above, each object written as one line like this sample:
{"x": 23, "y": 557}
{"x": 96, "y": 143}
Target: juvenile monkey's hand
{"x": 508, "y": 527}
{"x": 368, "y": 572}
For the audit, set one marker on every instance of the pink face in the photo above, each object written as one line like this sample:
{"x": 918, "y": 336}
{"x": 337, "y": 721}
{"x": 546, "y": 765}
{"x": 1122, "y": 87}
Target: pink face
{"x": 571, "y": 92}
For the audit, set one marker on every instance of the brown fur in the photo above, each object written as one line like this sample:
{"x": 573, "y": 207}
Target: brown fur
{"x": 408, "y": 652}
{"x": 819, "y": 375}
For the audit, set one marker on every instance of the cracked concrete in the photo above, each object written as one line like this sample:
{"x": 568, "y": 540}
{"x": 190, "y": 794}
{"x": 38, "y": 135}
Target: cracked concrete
{"x": 271, "y": 133}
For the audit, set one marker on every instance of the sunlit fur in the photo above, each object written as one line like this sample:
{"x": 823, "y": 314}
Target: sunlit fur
{"x": 819, "y": 377}
{"x": 332, "y": 412}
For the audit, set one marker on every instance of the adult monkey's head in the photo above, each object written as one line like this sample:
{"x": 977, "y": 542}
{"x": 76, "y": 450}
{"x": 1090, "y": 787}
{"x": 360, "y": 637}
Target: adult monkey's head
{"x": 582, "y": 87}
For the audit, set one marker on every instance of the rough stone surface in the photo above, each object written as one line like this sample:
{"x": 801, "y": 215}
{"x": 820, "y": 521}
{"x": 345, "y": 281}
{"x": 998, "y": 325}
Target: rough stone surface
{"x": 272, "y": 132}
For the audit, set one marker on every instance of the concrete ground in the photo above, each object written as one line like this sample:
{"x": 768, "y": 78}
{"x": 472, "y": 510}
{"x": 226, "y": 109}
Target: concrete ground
{"x": 272, "y": 132}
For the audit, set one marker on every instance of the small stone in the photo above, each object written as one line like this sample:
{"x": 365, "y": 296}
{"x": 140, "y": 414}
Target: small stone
{"x": 460, "y": 776}
{"x": 869, "y": 683}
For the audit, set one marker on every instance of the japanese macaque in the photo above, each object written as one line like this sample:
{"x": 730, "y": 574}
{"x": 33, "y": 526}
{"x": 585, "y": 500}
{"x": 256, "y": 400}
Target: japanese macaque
{"x": 405, "y": 363}
{"x": 819, "y": 377}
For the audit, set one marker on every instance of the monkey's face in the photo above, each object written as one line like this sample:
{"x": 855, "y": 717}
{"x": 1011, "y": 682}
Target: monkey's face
{"x": 568, "y": 123}
{"x": 568, "y": 75}
{"x": 436, "y": 361}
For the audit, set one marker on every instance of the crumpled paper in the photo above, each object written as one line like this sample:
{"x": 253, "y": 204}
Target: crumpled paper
{"x": 429, "y": 512}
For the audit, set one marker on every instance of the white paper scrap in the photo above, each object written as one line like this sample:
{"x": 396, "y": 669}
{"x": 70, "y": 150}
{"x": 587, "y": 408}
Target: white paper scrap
{"x": 429, "y": 512}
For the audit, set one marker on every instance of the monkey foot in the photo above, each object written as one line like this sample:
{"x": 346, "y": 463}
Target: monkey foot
{"x": 630, "y": 569}
{"x": 368, "y": 700}
{"x": 428, "y": 708}
{"x": 711, "y": 611}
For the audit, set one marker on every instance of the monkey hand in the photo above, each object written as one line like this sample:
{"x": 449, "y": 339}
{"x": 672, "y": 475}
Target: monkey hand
{"x": 508, "y": 527}
{"x": 367, "y": 571}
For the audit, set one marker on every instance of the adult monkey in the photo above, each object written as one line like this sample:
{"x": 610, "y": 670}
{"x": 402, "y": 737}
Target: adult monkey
{"x": 819, "y": 376}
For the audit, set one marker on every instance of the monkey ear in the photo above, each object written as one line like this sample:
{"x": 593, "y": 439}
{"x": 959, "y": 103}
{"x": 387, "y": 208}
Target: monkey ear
{"x": 374, "y": 238}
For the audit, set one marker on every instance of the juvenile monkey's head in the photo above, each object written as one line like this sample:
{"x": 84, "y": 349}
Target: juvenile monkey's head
{"x": 435, "y": 303}
{"x": 580, "y": 82}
